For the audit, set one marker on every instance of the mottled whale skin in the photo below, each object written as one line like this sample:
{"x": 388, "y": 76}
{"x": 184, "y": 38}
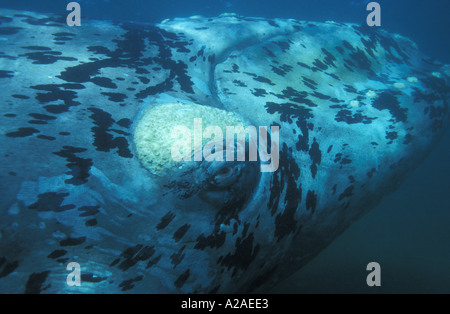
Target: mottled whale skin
{"x": 357, "y": 109}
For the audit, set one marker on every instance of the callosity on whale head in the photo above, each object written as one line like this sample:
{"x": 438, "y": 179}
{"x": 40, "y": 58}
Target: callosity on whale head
{"x": 86, "y": 176}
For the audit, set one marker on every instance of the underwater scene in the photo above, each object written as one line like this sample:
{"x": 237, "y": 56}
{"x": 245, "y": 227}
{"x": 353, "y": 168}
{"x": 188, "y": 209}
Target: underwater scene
{"x": 224, "y": 147}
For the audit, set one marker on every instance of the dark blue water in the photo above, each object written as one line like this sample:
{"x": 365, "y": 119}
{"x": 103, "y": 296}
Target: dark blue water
{"x": 408, "y": 234}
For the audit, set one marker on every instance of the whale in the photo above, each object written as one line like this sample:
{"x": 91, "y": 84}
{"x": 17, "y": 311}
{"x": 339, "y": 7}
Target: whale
{"x": 86, "y": 174}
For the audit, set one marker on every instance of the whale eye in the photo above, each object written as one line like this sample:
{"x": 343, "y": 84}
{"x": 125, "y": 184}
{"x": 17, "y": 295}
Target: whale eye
{"x": 224, "y": 173}
{"x": 229, "y": 185}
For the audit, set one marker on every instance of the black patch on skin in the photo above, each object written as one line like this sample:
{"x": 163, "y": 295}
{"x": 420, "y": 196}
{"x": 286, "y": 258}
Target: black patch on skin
{"x": 158, "y": 88}
{"x": 72, "y": 241}
{"x": 215, "y": 240}
{"x": 181, "y": 280}
{"x": 350, "y": 89}
{"x": 347, "y": 193}
{"x": 329, "y": 149}
{"x": 63, "y": 36}
{"x": 235, "y": 68}
{"x": 293, "y": 95}
{"x": 282, "y": 70}
{"x": 51, "y": 201}
{"x": 99, "y": 50}
{"x": 285, "y": 179}
{"x": 239, "y": 83}
{"x": 334, "y": 189}
{"x": 311, "y": 201}
{"x": 128, "y": 284}
{"x": 7, "y": 268}
{"x": 263, "y": 80}
{"x": 5, "y": 19}
{"x": 37, "y": 48}
{"x": 57, "y": 254}
{"x": 259, "y": 92}
{"x": 62, "y": 260}
{"x": 177, "y": 258}
{"x": 20, "y": 96}
{"x": 389, "y": 44}
{"x": 408, "y": 139}
{"x": 319, "y": 65}
{"x": 116, "y": 97}
{"x": 329, "y": 59}
{"x": 181, "y": 232}
{"x": 316, "y": 157}
{"x": 46, "y": 137}
{"x": 88, "y": 210}
{"x": 391, "y": 135}
{"x": 104, "y": 82}
{"x": 333, "y": 76}
{"x": 153, "y": 261}
{"x": 165, "y": 221}
{"x": 64, "y": 133}
{"x": 289, "y": 111}
{"x": 37, "y": 122}
{"x": 243, "y": 256}
{"x": 387, "y": 100}
{"x": 104, "y": 141}
{"x": 371, "y": 172}
{"x": 278, "y": 71}
{"x": 9, "y": 30}
{"x": 347, "y": 45}
{"x": 35, "y": 282}
{"x": 40, "y": 116}
{"x": 56, "y": 109}
{"x": 347, "y": 66}
{"x": 91, "y": 223}
{"x": 348, "y": 117}
{"x": 6, "y": 74}
{"x": 144, "y": 79}
{"x": 79, "y": 167}
{"x": 309, "y": 83}
{"x": 89, "y": 277}
{"x": 124, "y": 122}
{"x": 10, "y": 115}
{"x": 46, "y": 57}
{"x": 337, "y": 157}
{"x": 284, "y": 45}
{"x": 133, "y": 255}
{"x": 58, "y": 92}
{"x": 201, "y": 52}
{"x": 129, "y": 52}
{"x": 22, "y": 132}
{"x": 362, "y": 61}
{"x": 272, "y": 23}
{"x": 346, "y": 161}
{"x": 250, "y": 74}
{"x": 304, "y": 65}
{"x": 320, "y": 95}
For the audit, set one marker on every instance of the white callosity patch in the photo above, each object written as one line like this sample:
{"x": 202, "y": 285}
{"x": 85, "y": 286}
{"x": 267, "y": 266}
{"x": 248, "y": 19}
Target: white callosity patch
{"x": 153, "y": 132}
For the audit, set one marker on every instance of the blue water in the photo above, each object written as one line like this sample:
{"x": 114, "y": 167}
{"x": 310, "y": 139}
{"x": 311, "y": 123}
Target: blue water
{"x": 409, "y": 232}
